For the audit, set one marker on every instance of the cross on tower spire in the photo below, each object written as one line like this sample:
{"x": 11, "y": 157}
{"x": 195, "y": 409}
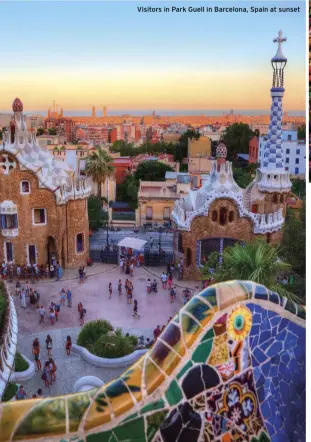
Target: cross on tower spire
{"x": 279, "y": 54}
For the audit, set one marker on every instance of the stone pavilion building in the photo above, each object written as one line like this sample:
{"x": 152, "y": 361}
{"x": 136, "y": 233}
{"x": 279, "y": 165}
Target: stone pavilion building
{"x": 43, "y": 206}
{"x": 220, "y": 213}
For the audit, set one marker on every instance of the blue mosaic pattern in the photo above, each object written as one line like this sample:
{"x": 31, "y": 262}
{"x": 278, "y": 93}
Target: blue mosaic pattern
{"x": 277, "y": 348}
{"x": 273, "y": 157}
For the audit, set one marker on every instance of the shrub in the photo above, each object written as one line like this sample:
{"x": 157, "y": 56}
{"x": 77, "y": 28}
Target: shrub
{"x": 9, "y": 392}
{"x": 94, "y": 336}
{"x": 3, "y": 305}
{"x": 92, "y": 331}
{"x": 113, "y": 346}
{"x": 20, "y": 363}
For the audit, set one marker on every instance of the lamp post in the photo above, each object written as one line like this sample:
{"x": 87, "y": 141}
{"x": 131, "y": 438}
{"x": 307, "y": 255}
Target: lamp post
{"x": 107, "y": 239}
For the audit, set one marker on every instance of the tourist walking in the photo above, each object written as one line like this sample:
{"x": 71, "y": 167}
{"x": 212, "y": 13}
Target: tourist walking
{"x": 121, "y": 265}
{"x": 120, "y": 287}
{"x": 110, "y": 290}
{"x": 52, "y": 313}
{"x": 172, "y": 294}
{"x": 68, "y": 345}
{"x": 32, "y": 299}
{"x": 169, "y": 281}
{"x": 62, "y": 297}
{"x": 82, "y": 312}
{"x": 69, "y": 302}
{"x": 46, "y": 374}
{"x": 52, "y": 368}
{"x": 18, "y": 288}
{"x": 41, "y": 314}
{"x": 23, "y": 298}
{"x": 57, "y": 310}
{"x": 132, "y": 269}
{"x": 135, "y": 309}
{"x": 49, "y": 345}
{"x": 156, "y": 332}
{"x": 36, "y": 353}
{"x": 129, "y": 292}
{"x": 164, "y": 280}
{"x": 21, "y": 393}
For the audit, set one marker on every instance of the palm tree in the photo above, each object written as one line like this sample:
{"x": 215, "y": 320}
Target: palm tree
{"x": 99, "y": 167}
{"x": 258, "y": 261}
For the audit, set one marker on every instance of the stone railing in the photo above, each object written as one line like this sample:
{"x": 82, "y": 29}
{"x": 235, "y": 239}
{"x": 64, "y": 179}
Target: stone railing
{"x": 8, "y": 339}
{"x": 124, "y": 361}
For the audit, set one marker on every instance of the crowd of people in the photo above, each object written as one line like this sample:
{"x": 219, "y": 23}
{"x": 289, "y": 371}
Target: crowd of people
{"x": 52, "y": 270}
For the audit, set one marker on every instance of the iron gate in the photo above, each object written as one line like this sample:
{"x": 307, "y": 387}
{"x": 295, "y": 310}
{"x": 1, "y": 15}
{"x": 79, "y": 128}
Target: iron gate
{"x": 154, "y": 259}
{"x": 105, "y": 255}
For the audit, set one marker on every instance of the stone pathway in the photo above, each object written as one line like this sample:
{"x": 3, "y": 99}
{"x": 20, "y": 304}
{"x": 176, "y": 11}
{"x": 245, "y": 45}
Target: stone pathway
{"x": 154, "y": 309}
{"x": 69, "y": 368}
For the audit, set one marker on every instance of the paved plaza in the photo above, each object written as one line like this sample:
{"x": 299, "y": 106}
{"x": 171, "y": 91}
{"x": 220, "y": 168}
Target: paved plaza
{"x": 154, "y": 309}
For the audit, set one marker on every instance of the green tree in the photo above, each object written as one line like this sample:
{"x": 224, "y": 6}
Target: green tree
{"x": 245, "y": 175}
{"x": 40, "y": 131}
{"x": 257, "y": 261}
{"x": 152, "y": 171}
{"x": 52, "y": 131}
{"x": 237, "y": 137}
{"x": 128, "y": 191}
{"x": 95, "y": 212}
{"x": 299, "y": 187}
{"x": 294, "y": 241}
{"x": 301, "y": 132}
{"x": 99, "y": 167}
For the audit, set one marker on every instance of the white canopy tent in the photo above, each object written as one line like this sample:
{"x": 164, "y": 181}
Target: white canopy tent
{"x": 133, "y": 243}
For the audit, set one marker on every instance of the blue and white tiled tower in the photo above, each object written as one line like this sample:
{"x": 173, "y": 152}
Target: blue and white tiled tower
{"x": 272, "y": 176}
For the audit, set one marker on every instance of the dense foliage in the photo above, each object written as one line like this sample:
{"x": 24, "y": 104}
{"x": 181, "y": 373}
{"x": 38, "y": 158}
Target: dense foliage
{"x": 97, "y": 216}
{"x": 243, "y": 176}
{"x": 152, "y": 171}
{"x": 128, "y": 191}
{"x": 257, "y": 261}
{"x": 301, "y": 132}
{"x": 9, "y": 392}
{"x": 294, "y": 249}
{"x": 299, "y": 187}
{"x": 95, "y": 337}
{"x": 40, "y": 131}
{"x": 20, "y": 363}
{"x": 3, "y": 306}
{"x": 237, "y": 137}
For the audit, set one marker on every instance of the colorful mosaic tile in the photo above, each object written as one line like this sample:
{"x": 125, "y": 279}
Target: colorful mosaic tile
{"x": 234, "y": 375}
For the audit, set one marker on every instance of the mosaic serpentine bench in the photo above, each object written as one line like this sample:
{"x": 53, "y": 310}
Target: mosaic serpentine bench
{"x": 230, "y": 366}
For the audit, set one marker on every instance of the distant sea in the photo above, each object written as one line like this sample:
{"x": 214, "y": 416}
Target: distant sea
{"x": 144, "y": 112}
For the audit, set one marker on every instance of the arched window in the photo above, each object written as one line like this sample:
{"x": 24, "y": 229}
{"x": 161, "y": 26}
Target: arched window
{"x": 214, "y": 216}
{"x": 231, "y": 216}
{"x": 268, "y": 238}
{"x": 275, "y": 199}
{"x": 223, "y": 216}
{"x": 282, "y": 199}
{"x": 80, "y": 243}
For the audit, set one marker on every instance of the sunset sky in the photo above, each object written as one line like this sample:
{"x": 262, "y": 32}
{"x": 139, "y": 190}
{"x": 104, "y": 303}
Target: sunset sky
{"x": 82, "y": 54}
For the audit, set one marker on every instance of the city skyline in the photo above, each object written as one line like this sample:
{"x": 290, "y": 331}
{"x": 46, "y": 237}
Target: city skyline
{"x": 160, "y": 62}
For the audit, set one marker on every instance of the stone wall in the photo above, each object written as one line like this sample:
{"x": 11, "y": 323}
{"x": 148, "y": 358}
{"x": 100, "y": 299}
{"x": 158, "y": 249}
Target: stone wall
{"x": 62, "y": 225}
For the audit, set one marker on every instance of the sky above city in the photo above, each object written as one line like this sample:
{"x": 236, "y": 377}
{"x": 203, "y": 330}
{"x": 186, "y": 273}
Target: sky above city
{"x": 82, "y": 54}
